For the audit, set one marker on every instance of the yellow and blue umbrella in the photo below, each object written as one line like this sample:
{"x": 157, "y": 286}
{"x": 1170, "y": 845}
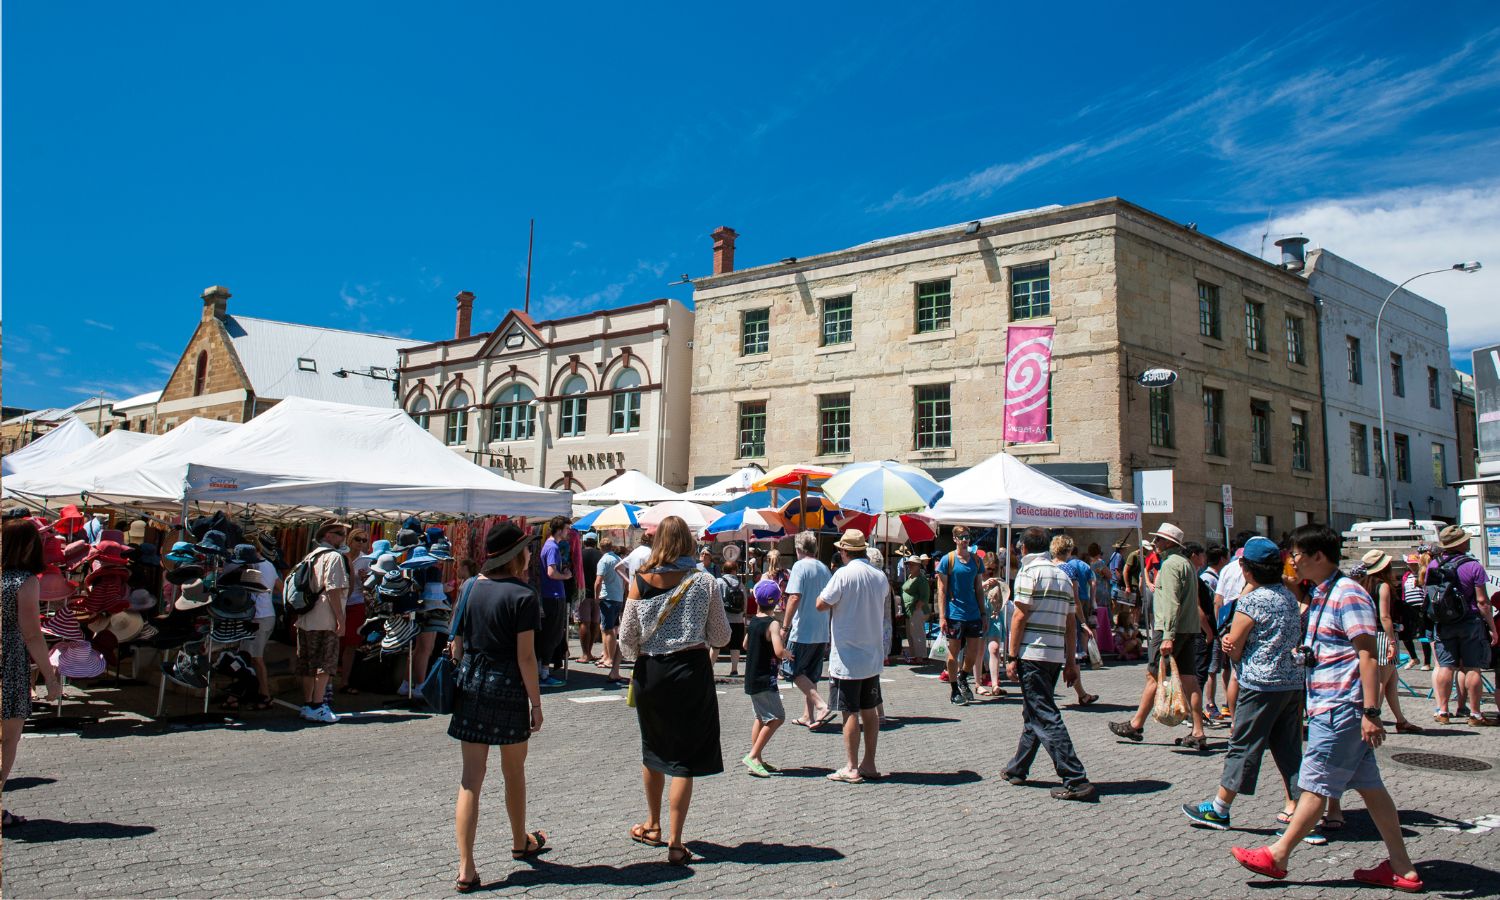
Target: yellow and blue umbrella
{"x": 621, "y": 515}
{"x": 883, "y": 487}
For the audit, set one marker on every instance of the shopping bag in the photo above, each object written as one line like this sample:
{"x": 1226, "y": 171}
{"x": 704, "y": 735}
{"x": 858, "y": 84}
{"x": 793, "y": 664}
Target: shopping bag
{"x": 1096, "y": 659}
{"x": 1171, "y": 707}
{"x": 939, "y": 651}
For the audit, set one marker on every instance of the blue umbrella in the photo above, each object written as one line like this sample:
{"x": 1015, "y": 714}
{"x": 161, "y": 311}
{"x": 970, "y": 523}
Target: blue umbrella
{"x": 749, "y": 521}
{"x": 882, "y": 488}
{"x": 621, "y": 515}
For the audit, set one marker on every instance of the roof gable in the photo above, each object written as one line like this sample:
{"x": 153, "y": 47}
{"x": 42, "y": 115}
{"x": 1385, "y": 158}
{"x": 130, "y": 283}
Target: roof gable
{"x": 516, "y": 333}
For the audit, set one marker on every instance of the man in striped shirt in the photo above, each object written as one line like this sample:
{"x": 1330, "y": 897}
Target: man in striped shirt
{"x": 1043, "y": 634}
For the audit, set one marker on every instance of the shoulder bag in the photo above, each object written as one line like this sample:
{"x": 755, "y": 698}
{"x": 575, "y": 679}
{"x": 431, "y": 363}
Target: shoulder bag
{"x": 687, "y": 582}
{"x": 441, "y": 685}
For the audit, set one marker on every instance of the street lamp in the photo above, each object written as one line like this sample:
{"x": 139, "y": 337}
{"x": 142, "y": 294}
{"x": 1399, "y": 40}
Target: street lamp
{"x": 1380, "y": 365}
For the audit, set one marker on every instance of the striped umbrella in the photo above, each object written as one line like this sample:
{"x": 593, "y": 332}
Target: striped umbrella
{"x": 621, "y": 515}
{"x": 695, "y": 515}
{"x": 746, "y": 524}
{"x": 883, "y": 487}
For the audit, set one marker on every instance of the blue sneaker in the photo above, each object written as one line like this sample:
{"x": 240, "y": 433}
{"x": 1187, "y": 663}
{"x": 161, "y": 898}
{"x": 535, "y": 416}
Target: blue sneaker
{"x": 1204, "y": 814}
{"x": 550, "y": 681}
{"x": 1315, "y": 838}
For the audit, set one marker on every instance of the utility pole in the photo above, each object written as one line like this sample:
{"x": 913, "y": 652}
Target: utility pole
{"x": 530, "y": 243}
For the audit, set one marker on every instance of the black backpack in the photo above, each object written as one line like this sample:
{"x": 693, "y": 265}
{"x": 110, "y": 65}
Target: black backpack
{"x": 297, "y": 591}
{"x": 734, "y": 594}
{"x": 1446, "y": 602}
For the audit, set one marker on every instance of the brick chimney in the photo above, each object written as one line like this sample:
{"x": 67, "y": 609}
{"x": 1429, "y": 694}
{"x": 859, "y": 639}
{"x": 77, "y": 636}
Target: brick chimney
{"x": 215, "y": 302}
{"x": 463, "y": 327}
{"x": 724, "y": 249}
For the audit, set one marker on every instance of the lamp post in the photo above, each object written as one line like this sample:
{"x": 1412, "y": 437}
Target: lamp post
{"x": 1380, "y": 365}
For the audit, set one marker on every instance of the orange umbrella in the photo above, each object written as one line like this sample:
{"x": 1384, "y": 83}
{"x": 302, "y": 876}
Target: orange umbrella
{"x": 797, "y": 475}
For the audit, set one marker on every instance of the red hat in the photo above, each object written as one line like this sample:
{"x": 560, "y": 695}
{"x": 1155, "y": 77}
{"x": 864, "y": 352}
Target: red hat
{"x": 52, "y": 551}
{"x": 64, "y": 625}
{"x": 110, "y": 553}
{"x": 75, "y": 553}
{"x": 55, "y": 585}
{"x": 70, "y": 520}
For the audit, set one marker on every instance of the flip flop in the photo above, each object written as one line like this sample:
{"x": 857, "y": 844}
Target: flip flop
{"x": 825, "y": 719}
{"x": 642, "y": 835}
{"x": 1284, "y": 818}
{"x": 1332, "y": 824}
{"x": 846, "y": 777}
{"x": 803, "y": 722}
{"x": 466, "y": 887}
{"x": 1386, "y": 877}
{"x": 1258, "y": 860}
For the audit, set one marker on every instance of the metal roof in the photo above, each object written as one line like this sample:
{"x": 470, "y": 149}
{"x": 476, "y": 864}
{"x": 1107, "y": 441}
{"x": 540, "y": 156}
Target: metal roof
{"x": 286, "y": 360}
{"x": 145, "y": 399}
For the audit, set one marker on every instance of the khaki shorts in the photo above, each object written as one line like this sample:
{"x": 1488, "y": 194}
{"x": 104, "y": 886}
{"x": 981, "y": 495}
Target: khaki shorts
{"x": 317, "y": 651}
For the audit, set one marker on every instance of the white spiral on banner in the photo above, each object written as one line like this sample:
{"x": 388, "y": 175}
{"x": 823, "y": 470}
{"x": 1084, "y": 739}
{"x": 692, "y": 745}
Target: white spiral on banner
{"x": 1026, "y": 366}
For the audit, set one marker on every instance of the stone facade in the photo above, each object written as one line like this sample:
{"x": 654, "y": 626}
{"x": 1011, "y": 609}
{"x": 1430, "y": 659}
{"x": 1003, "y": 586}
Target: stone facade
{"x": 518, "y": 391}
{"x": 1123, "y": 286}
{"x": 221, "y": 390}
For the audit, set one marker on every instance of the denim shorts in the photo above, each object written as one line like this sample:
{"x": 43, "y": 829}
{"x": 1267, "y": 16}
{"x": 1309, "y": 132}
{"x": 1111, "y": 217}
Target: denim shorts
{"x": 1464, "y": 645}
{"x": 1336, "y": 758}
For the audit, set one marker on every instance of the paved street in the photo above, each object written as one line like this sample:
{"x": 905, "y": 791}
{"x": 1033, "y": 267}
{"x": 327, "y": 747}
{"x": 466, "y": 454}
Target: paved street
{"x": 273, "y": 807}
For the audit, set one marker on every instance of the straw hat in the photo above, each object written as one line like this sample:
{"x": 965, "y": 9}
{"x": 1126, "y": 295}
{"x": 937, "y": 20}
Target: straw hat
{"x": 853, "y": 541}
{"x": 1375, "y": 561}
{"x": 1170, "y": 532}
{"x": 1453, "y": 537}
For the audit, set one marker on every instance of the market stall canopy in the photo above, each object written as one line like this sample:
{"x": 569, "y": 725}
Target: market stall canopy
{"x": 793, "y": 475}
{"x": 632, "y": 486}
{"x": 1002, "y": 490}
{"x": 337, "y": 456}
{"x": 695, "y": 515}
{"x": 725, "y": 489}
{"x": 153, "y": 473}
{"x": 70, "y": 435}
{"x": 70, "y": 475}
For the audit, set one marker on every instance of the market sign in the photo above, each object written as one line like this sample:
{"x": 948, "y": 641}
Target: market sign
{"x": 1487, "y": 400}
{"x": 1157, "y": 378}
{"x": 1153, "y": 490}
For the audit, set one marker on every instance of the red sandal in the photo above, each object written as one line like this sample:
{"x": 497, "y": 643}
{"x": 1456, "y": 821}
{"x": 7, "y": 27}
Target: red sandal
{"x": 1385, "y": 876}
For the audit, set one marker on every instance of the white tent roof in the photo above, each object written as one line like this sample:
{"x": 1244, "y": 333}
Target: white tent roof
{"x": 72, "y": 473}
{"x": 631, "y": 487}
{"x": 55, "y": 444}
{"x": 1002, "y": 490}
{"x": 728, "y": 488}
{"x": 154, "y": 472}
{"x": 338, "y": 456}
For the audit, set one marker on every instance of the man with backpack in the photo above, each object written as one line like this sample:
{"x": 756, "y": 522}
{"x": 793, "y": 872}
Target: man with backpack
{"x": 961, "y": 613}
{"x": 315, "y": 593}
{"x": 732, "y": 590}
{"x": 1459, "y": 605}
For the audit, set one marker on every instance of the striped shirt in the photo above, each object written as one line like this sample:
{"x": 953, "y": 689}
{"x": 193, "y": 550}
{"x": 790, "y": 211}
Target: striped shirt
{"x": 1044, "y": 590}
{"x": 1340, "y": 611}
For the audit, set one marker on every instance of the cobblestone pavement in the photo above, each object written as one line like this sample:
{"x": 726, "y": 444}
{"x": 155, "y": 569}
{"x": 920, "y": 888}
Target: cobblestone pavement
{"x": 274, "y": 807}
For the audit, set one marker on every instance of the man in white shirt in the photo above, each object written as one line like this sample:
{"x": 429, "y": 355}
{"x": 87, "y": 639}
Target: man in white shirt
{"x": 856, "y": 598}
{"x": 633, "y": 561}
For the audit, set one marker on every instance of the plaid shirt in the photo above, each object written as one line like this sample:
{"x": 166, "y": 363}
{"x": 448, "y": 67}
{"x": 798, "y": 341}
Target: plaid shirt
{"x": 1340, "y": 611}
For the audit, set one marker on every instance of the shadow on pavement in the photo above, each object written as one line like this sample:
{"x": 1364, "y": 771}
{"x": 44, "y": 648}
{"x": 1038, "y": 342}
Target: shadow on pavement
{"x": 30, "y": 781}
{"x": 903, "y": 721}
{"x": 944, "y": 779}
{"x": 1100, "y": 708}
{"x": 761, "y": 853}
{"x": 1123, "y": 788}
{"x": 1442, "y": 877}
{"x": 541, "y": 873}
{"x": 43, "y": 831}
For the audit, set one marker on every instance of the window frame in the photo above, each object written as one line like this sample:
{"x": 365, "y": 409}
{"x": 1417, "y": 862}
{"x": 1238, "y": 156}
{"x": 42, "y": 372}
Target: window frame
{"x": 512, "y": 417}
{"x": 1398, "y": 374}
{"x": 1255, "y": 326}
{"x": 1401, "y": 456}
{"x": 1301, "y": 441}
{"x": 1260, "y": 436}
{"x": 1296, "y": 341}
{"x": 934, "y": 411}
{"x": 1210, "y": 311}
{"x": 842, "y": 326}
{"x": 926, "y": 292}
{"x": 421, "y": 411}
{"x": 835, "y": 438}
{"x": 1359, "y": 448}
{"x": 757, "y": 342}
{"x": 1213, "y": 422}
{"x": 1354, "y": 359}
{"x": 1439, "y": 464}
{"x": 573, "y": 411}
{"x": 744, "y": 444}
{"x": 1434, "y": 388}
{"x": 1034, "y": 303}
{"x": 625, "y": 403}
{"x": 1159, "y": 415}
{"x": 456, "y": 424}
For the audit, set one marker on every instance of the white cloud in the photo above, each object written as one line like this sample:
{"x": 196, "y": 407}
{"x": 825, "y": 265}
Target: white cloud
{"x": 100, "y": 325}
{"x": 1397, "y": 234}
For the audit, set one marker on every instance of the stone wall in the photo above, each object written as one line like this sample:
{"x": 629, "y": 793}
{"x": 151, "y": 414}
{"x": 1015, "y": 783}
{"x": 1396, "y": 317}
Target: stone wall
{"x": 224, "y": 376}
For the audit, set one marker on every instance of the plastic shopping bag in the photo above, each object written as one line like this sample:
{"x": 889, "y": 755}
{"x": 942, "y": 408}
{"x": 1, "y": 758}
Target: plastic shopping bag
{"x": 1096, "y": 659}
{"x": 1171, "y": 707}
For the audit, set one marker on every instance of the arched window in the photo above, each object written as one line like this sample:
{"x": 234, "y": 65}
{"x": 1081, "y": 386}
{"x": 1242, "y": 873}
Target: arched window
{"x": 513, "y": 417}
{"x": 200, "y": 373}
{"x": 458, "y": 420}
{"x": 575, "y": 407}
{"x": 625, "y": 405}
{"x": 421, "y": 412}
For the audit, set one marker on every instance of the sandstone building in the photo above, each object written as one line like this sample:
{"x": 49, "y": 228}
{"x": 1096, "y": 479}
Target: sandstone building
{"x": 895, "y": 349}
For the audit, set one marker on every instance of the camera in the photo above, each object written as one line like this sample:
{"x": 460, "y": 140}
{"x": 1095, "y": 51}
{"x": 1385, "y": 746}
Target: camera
{"x": 1306, "y": 656}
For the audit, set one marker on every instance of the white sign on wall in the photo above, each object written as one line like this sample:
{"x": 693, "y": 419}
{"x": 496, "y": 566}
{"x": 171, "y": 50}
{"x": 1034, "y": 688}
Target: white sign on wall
{"x": 1153, "y": 490}
{"x": 1228, "y": 495}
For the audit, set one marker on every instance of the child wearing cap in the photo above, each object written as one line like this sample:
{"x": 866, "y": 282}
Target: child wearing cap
{"x": 764, "y": 645}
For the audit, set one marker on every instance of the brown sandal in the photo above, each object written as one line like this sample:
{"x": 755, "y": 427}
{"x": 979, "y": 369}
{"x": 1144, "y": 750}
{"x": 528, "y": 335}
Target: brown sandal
{"x": 535, "y": 842}
{"x": 680, "y": 856}
{"x": 466, "y": 887}
{"x": 643, "y": 835}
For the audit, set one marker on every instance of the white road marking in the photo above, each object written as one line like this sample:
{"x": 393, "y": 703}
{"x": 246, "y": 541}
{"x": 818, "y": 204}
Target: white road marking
{"x": 604, "y": 699}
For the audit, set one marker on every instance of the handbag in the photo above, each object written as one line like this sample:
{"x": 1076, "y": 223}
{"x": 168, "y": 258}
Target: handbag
{"x": 440, "y": 688}
{"x": 665, "y": 611}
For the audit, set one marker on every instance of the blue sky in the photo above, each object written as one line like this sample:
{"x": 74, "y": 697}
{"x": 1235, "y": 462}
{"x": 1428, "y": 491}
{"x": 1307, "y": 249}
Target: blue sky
{"x": 355, "y": 165}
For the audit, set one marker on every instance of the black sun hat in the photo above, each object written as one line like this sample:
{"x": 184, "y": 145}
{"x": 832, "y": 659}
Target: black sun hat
{"x": 503, "y": 544}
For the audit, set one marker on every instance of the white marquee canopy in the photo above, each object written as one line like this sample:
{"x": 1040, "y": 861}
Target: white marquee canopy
{"x": 70, "y": 475}
{"x": 55, "y": 444}
{"x": 632, "y": 486}
{"x": 1002, "y": 490}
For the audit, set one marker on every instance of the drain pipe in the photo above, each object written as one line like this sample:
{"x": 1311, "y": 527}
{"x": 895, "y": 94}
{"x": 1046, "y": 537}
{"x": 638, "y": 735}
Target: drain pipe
{"x": 1323, "y": 404}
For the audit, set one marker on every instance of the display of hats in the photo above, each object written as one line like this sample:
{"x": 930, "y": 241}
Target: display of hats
{"x": 137, "y": 532}
{"x": 434, "y": 534}
{"x": 184, "y": 574}
{"x": 193, "y": 595}
{"x": 108, "y": 553}
{"x": 441, "y": 550}
{"x": 408, "y": 538}
{"x": 188, "y": 670}
{"x": 214, "y": 543}
{"x": 75, "y": 553}
{"x": 142, "y": 600}
{"x": 266, "y": 544}
{"x": 147, "y": 554}
{"x": 398, "y": 633}
{"x": 244, "y": 554}
{"x": 229, "y": 631}
{"x": 113, "y": 535}
{"x": 107, "y": 590}
{"x": 420, "y": 558}
{"x": 378, "y": 549}
{"x": 52, "y": 551}
{"x": 149, "y": 632}
{"x": 69, "y": 521}
{"x": 125, "y": 626}
{"x": 400, "y": 593}
{"x": 183, "y": 552}
{"x": 77, "y": 659}
{"x": 433, "y": 596}
{"x": 229, "y": 532}
{"x": 253, "y": 578}
{"x": 63, "y": 625}
{"x": 232, "y": 601}
{"x": 384, "y": 564}
{"x": 55, "y": 585}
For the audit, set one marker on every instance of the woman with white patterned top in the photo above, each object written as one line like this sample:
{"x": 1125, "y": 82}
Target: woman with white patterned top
{"x": 673, "y": 614}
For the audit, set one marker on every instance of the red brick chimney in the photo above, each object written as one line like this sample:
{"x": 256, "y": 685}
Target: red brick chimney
{"x": 215, "y": 302}
{"x": 462, "y": 328}
{"x": 724, "y": 249}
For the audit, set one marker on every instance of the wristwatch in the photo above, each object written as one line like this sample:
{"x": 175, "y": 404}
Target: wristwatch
{"x": 1372, "y": 712}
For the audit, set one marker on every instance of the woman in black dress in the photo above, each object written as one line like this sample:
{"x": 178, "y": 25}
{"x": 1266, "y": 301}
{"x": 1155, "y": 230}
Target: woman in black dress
{"x": 20, "y": 639}
{"x": 498, "y": 701}
{"x": 673, "y": 614}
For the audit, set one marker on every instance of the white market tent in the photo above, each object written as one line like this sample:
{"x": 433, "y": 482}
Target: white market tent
{"x": 633, "y": 486}
{"x": 319, "y": 455}
{"x": 55, "y": 444}
{"x": 1003, "y": 491}
{"x": 153, "y": 473}
{"x": 71, "y": 474}
{"x": 736, "y": 485}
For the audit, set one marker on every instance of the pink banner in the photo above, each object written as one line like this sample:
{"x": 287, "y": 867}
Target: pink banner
{"x": 1028, "y": 380}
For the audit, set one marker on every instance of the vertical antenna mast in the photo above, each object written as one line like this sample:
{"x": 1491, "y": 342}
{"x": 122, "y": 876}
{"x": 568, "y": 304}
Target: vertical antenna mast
{"x": 530, "y": 242}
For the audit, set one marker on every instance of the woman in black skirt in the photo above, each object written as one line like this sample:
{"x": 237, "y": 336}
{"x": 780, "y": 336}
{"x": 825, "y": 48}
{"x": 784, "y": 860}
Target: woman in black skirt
{"x": 498, "y": 701}
{"x": 673, "y": 614}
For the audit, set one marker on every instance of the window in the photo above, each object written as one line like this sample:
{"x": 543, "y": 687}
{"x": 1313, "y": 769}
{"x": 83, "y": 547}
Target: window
{"x": 1030, "y": 291}
{"x": 1161, "y": 417}
{"x": 1403, "y": 457}
{"x": 1210, "y": 324}
{"x": 457, "y": 430}
{"x": 934, "y": 306}
{"x": 575, "y": 407}
{"x": 1260, "y": 432}
{"x": 1213, "y": 421}
{"x": 307, "y": 365}
{"x": 1434, "y": 389}
{"x": 1049, "y": 407}
{"x": 1296, "y": 349}
{"x": 833, "y": 424}
{"x": 1255, "y": 326}
{"x": 513, "y": 418}
{"x": 420, "y": 412}
{"x": 200, "y": 373}
{"x": 1379, "y": 442}
{"x": 838, "y": 320}
{"x": 1439, "y": 466}
{"x": 1301, "y": 443}
{"x": 755, "y": 332}
{"x": 934, "y": 418}
{"x": 1356, "y": 363}
{"x": 752, "y": 429}
{"x": 625, "y": 405}
{"x": 1265, "y": 525}
{"x": 1398, "y": 375}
